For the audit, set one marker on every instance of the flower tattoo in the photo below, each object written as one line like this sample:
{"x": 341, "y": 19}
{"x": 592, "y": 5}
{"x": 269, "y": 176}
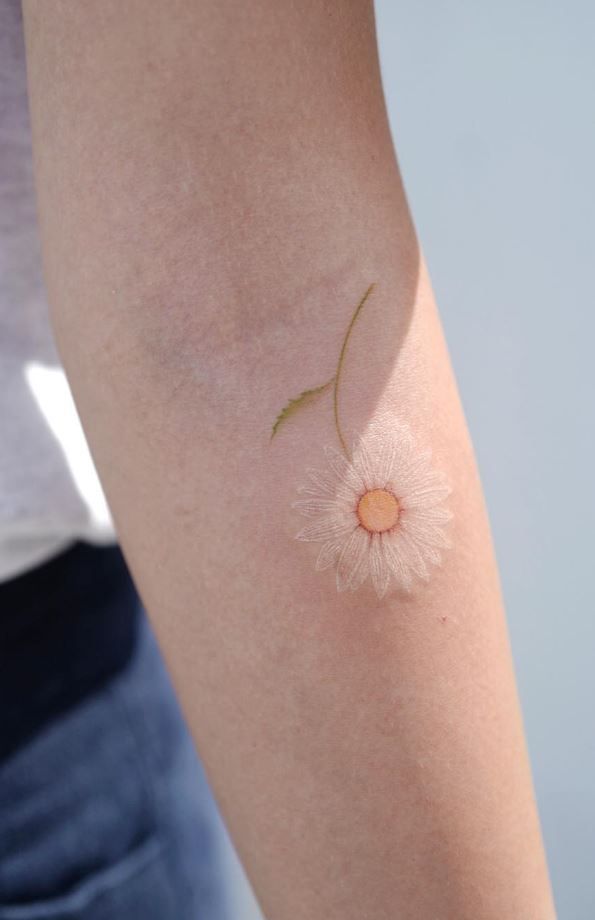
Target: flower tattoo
{"x": 378, "y": 510}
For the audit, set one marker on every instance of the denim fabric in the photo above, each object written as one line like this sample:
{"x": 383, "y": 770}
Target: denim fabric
{"x": 105, "y": 813}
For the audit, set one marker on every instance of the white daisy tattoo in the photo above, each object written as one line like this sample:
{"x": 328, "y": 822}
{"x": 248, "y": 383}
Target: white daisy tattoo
{"x": 380, "y": 515}
{"x": 378, "y": 511}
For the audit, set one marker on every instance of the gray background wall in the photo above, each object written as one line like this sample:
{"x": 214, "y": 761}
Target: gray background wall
{"x": 493, "y": 116}
{"x": 493, "y": 113}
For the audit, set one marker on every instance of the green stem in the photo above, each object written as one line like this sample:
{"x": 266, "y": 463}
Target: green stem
{"x": 340, "y": 368}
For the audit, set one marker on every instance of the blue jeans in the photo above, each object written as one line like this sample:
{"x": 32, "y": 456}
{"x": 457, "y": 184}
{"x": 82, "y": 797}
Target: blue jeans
{"x": 105, "y": 813}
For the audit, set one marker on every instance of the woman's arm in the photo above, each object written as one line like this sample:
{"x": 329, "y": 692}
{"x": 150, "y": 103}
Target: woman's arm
{"x": 218, "y": 190}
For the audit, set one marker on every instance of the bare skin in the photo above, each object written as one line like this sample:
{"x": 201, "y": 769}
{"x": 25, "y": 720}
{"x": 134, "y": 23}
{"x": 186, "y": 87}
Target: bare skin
{"x": 217, "y": 188}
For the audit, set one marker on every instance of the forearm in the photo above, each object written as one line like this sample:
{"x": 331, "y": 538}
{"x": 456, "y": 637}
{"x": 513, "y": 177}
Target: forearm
{"x": 216, "y": 193}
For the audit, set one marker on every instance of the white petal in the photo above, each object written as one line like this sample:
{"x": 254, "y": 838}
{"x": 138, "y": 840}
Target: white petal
{"x": 379, "y": 568}
{"x": 430, "y": 554}
{"x": 349, "y": 491}
{"x": 362, "y": 571}
{"x": 394, "y": 560}
{"x": 418, "y": 464}
{"x": 328, "y": 555}
{"x": 364, "y": 464}
{"x": 343, "y": 468}
{"x": 416, "y": 474}
{"x": 404, "y": 446}
{"x": 426, "y": 496}
{"x": 353, "y": 560}
{"x": 315, "y": 507}
{"x": 386, "y": 463}
{"x": 322, "y": 483}
{"x": 435, "y": 558}
{"x": 434, "y": 515}
{"x": 325, "y": 486}
{"x": 328, "y": 528}
{"x": 411, "y": 556}
{"x": 423, "y": 532}
{"x": 382, "y": 456}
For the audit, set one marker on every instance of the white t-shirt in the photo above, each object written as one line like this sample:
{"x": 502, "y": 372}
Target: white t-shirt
{"x": 49, "y": 491}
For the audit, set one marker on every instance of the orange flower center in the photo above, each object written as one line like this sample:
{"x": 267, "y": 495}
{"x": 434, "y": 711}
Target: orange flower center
{"x": 378, "y": 510}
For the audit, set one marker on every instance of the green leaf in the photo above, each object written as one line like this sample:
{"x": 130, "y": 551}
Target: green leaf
{"x": 304, "y": 399}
